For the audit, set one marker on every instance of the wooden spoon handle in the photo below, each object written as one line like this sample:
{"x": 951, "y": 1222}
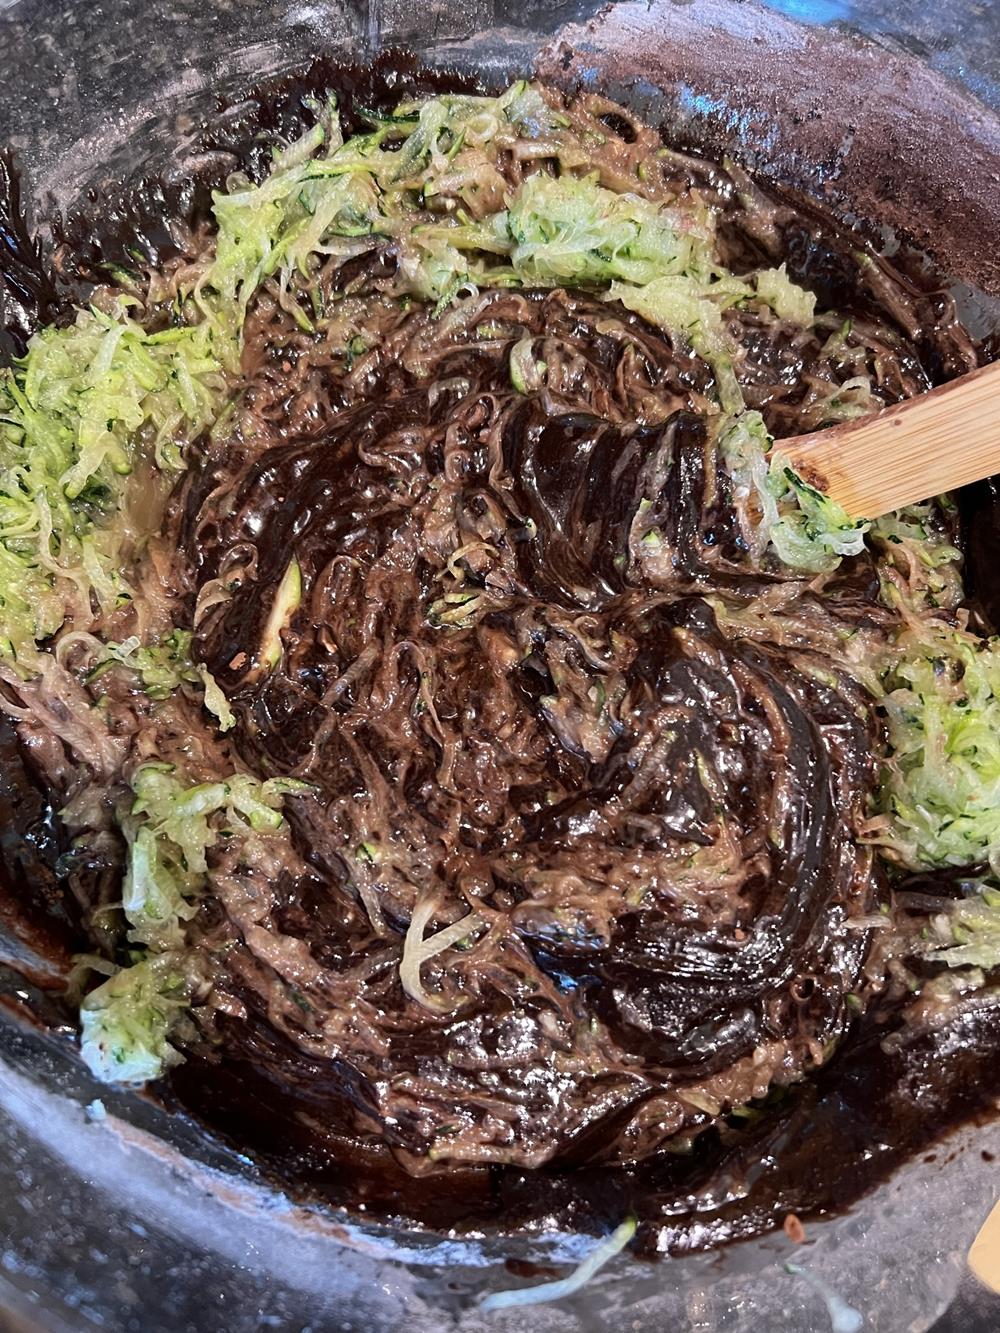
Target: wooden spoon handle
{"x": 934, "y": 443}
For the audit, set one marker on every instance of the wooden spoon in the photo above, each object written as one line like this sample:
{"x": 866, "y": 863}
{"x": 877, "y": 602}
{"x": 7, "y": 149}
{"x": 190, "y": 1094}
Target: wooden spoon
{"x": 933, "y": 443}
{"x": 984, "y": 1257}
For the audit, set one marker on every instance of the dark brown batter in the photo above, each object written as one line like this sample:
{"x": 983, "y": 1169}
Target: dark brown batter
{"x": 534, "y": 688}
{"x": 651, "y": 820}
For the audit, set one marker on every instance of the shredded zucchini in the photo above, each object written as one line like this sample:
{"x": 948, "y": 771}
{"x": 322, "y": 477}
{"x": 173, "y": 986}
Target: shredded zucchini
{"x": 125, "y": 1022}
{"x": 786, "y": 298}
{"x": 163, "y": 667}
{"x": 170, "y": 829}
{"x": 691, "y": 309}
{"x": 941, "y": 788}
{"x": 920, "y": 568}
{"x": 813, "y": 532}
{"x": 542, "y": 1292}
{"x": 85, "y": 406}
{"x": 970, "y": 932}
{"x": 570, "y": 232}
{"x": 801, "y": 526}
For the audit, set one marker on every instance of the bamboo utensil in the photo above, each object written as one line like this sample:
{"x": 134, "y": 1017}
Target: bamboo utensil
{"x": 984, "y": 1257}
{"x": 933, "y": 443}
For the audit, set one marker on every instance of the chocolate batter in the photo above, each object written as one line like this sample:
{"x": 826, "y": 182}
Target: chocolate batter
{"x": 543, "y": 706}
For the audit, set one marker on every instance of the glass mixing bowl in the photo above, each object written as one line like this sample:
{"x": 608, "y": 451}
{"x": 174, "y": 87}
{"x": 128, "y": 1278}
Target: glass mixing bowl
{"x": 118, "y": 1216}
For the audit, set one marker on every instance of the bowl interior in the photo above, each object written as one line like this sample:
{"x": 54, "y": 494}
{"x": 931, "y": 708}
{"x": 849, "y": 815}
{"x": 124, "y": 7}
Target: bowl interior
{"x": 108, "y": 1206}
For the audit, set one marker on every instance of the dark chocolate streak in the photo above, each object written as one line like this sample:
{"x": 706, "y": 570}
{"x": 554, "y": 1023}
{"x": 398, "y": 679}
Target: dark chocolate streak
{"x": 813, "y": 1152}
{"x": 655, "y": 816}
{"x": 28, "y": 295}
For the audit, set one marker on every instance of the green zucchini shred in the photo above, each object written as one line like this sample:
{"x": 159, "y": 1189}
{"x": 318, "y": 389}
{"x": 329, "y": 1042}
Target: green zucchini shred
{"x": 941, "y": 786}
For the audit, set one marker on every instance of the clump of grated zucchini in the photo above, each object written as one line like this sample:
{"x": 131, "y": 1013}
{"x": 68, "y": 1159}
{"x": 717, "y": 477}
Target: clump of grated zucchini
{"x": 170, "y": 831}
